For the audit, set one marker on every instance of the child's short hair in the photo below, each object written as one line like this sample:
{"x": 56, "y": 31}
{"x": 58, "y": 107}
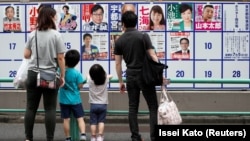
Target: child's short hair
{"x": 72, "y": 57}
{"x": 97, "y": 74}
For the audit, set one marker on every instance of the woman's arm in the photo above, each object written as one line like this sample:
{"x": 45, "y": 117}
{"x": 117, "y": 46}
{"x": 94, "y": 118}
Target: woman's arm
{"x": 27, "y": 53}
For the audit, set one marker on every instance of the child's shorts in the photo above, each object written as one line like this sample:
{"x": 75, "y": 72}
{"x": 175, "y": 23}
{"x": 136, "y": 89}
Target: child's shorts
{"x": 66, "y": 110}
{"x": 97, "y": 113}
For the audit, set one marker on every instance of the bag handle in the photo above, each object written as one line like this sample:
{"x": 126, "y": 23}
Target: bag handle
{"x": 164, "y": 94}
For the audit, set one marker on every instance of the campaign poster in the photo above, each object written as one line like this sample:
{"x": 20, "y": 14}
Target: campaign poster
{"x": 114, "y": 36}
{"x": 151, "y": 17}
{"x": 12, "y": 18}
{"x": 68, "y": 17}
{"x": 94, "y": 46}
{"x": 158, "y": 41}
{"x": 95, "y": 17}
{"x": 180, "y": 17}
{"x": 32, "y": 14}
{"x": 115, "y": 16}
{"x": 208, "y": 17}
{"x": 236, "y": 45}
{"x": 180, "y": 45}
{"x": 236, "y": 17}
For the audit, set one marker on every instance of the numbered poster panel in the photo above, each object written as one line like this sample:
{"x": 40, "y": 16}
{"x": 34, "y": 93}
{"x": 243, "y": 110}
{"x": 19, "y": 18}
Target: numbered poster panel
{"x": 210, "y": 47}
{"x": 68, "y": 17}
{"x": 9, "y": 70}
{"x": 180, "y": 17}
{"x": 180, "y": 45}
{"x": 208, "y": 17}
{"x": 208, "y": 69}
{"x": 112, "y": 38}
{"x": 158, "y": 41}
{"x": 95, "y": 46}
{"x": 236, "y": 45}
{"x": 151, "y": 17}
{"x": 236, "y": 70}
{"x": 13, "y": 45}
{"x": 72, "y": 40}
{"x": 180, "y": 69}
{"x": 12, "y": 18}
{"x": 236, "y": 17}
{"x": 113, "y": 72}
{"x": 95, "y": 17}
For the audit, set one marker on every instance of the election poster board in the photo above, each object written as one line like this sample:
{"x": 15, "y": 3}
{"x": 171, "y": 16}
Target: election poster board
{"x": 200, "y": 40}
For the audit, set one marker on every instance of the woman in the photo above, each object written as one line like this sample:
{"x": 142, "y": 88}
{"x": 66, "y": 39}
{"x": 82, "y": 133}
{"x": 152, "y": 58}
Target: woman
{"x": 157, "y": 20}
{"x": 186, "y": 24}
{"x": 51, "y": 51}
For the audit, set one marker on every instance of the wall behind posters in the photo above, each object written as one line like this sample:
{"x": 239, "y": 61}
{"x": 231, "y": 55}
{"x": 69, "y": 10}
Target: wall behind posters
{"x": 195, "y": 39}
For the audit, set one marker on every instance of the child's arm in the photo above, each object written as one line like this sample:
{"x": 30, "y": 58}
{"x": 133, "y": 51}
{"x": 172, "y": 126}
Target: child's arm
{"x": 110, "y": 76}
{"x": 82, "y": 82}
{"x": 80, "y": 86}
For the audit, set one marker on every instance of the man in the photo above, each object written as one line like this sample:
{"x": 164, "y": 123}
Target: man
{"x": 208, "y": 13}
{"x": 184, "y": 53}
{"x": 96, "y": 24}
{"x": 11, "y": 23}
{"x": 127, "y": 7}
{"x": 184, "y": 43}
{"x": 130, "y": 47}
{"x": 89, "y": 51}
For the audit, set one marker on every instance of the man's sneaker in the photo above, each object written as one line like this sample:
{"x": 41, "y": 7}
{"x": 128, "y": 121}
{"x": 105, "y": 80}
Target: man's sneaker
{"x": 100, "y": 138}
{"x": 83, "y": 138}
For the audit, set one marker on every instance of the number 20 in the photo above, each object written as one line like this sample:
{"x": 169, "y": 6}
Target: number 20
{"x": 180, "y": 73}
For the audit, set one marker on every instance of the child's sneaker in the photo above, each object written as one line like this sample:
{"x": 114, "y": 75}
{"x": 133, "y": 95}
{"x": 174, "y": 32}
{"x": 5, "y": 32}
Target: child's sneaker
{"x": 100, "y": 138}
{"x": 68, "y": 139}
{"x": 93, "y": 138}
{"x": 83, "y": 138}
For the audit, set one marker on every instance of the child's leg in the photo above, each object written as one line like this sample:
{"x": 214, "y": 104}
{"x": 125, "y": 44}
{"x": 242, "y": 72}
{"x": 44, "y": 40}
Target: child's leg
{"x": 65, "y": 115}
{"x": 101, "y": 120}
{"x": 66, "y": 127}
{"x": 81, "y": 124}
{"x": 79, "y": 114}
{"x": 93, "y": 121}
{"x": 93, "y": 129}
{"x": 100, "y": 128}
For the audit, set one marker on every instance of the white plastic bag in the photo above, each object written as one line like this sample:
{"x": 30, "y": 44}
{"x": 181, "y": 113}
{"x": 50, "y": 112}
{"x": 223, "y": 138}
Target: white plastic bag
{"x": 168, "y": 112}
{"x": 21, "y": 76}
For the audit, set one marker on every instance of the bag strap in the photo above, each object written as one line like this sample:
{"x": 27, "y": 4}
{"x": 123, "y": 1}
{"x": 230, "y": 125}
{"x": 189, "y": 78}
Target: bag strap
{"x": 36, "y": 50}
{"x": 144, "y": 44}
{"x": 165, "y": 93}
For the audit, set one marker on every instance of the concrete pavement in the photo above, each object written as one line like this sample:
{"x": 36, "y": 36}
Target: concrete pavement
{"x": 116, "y": 127}
{"x": 113, "y": 132}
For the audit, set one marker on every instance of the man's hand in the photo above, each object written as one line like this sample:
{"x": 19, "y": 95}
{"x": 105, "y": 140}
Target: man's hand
{"x": 122, "y": 88}
{"x": 166, "y": 81}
